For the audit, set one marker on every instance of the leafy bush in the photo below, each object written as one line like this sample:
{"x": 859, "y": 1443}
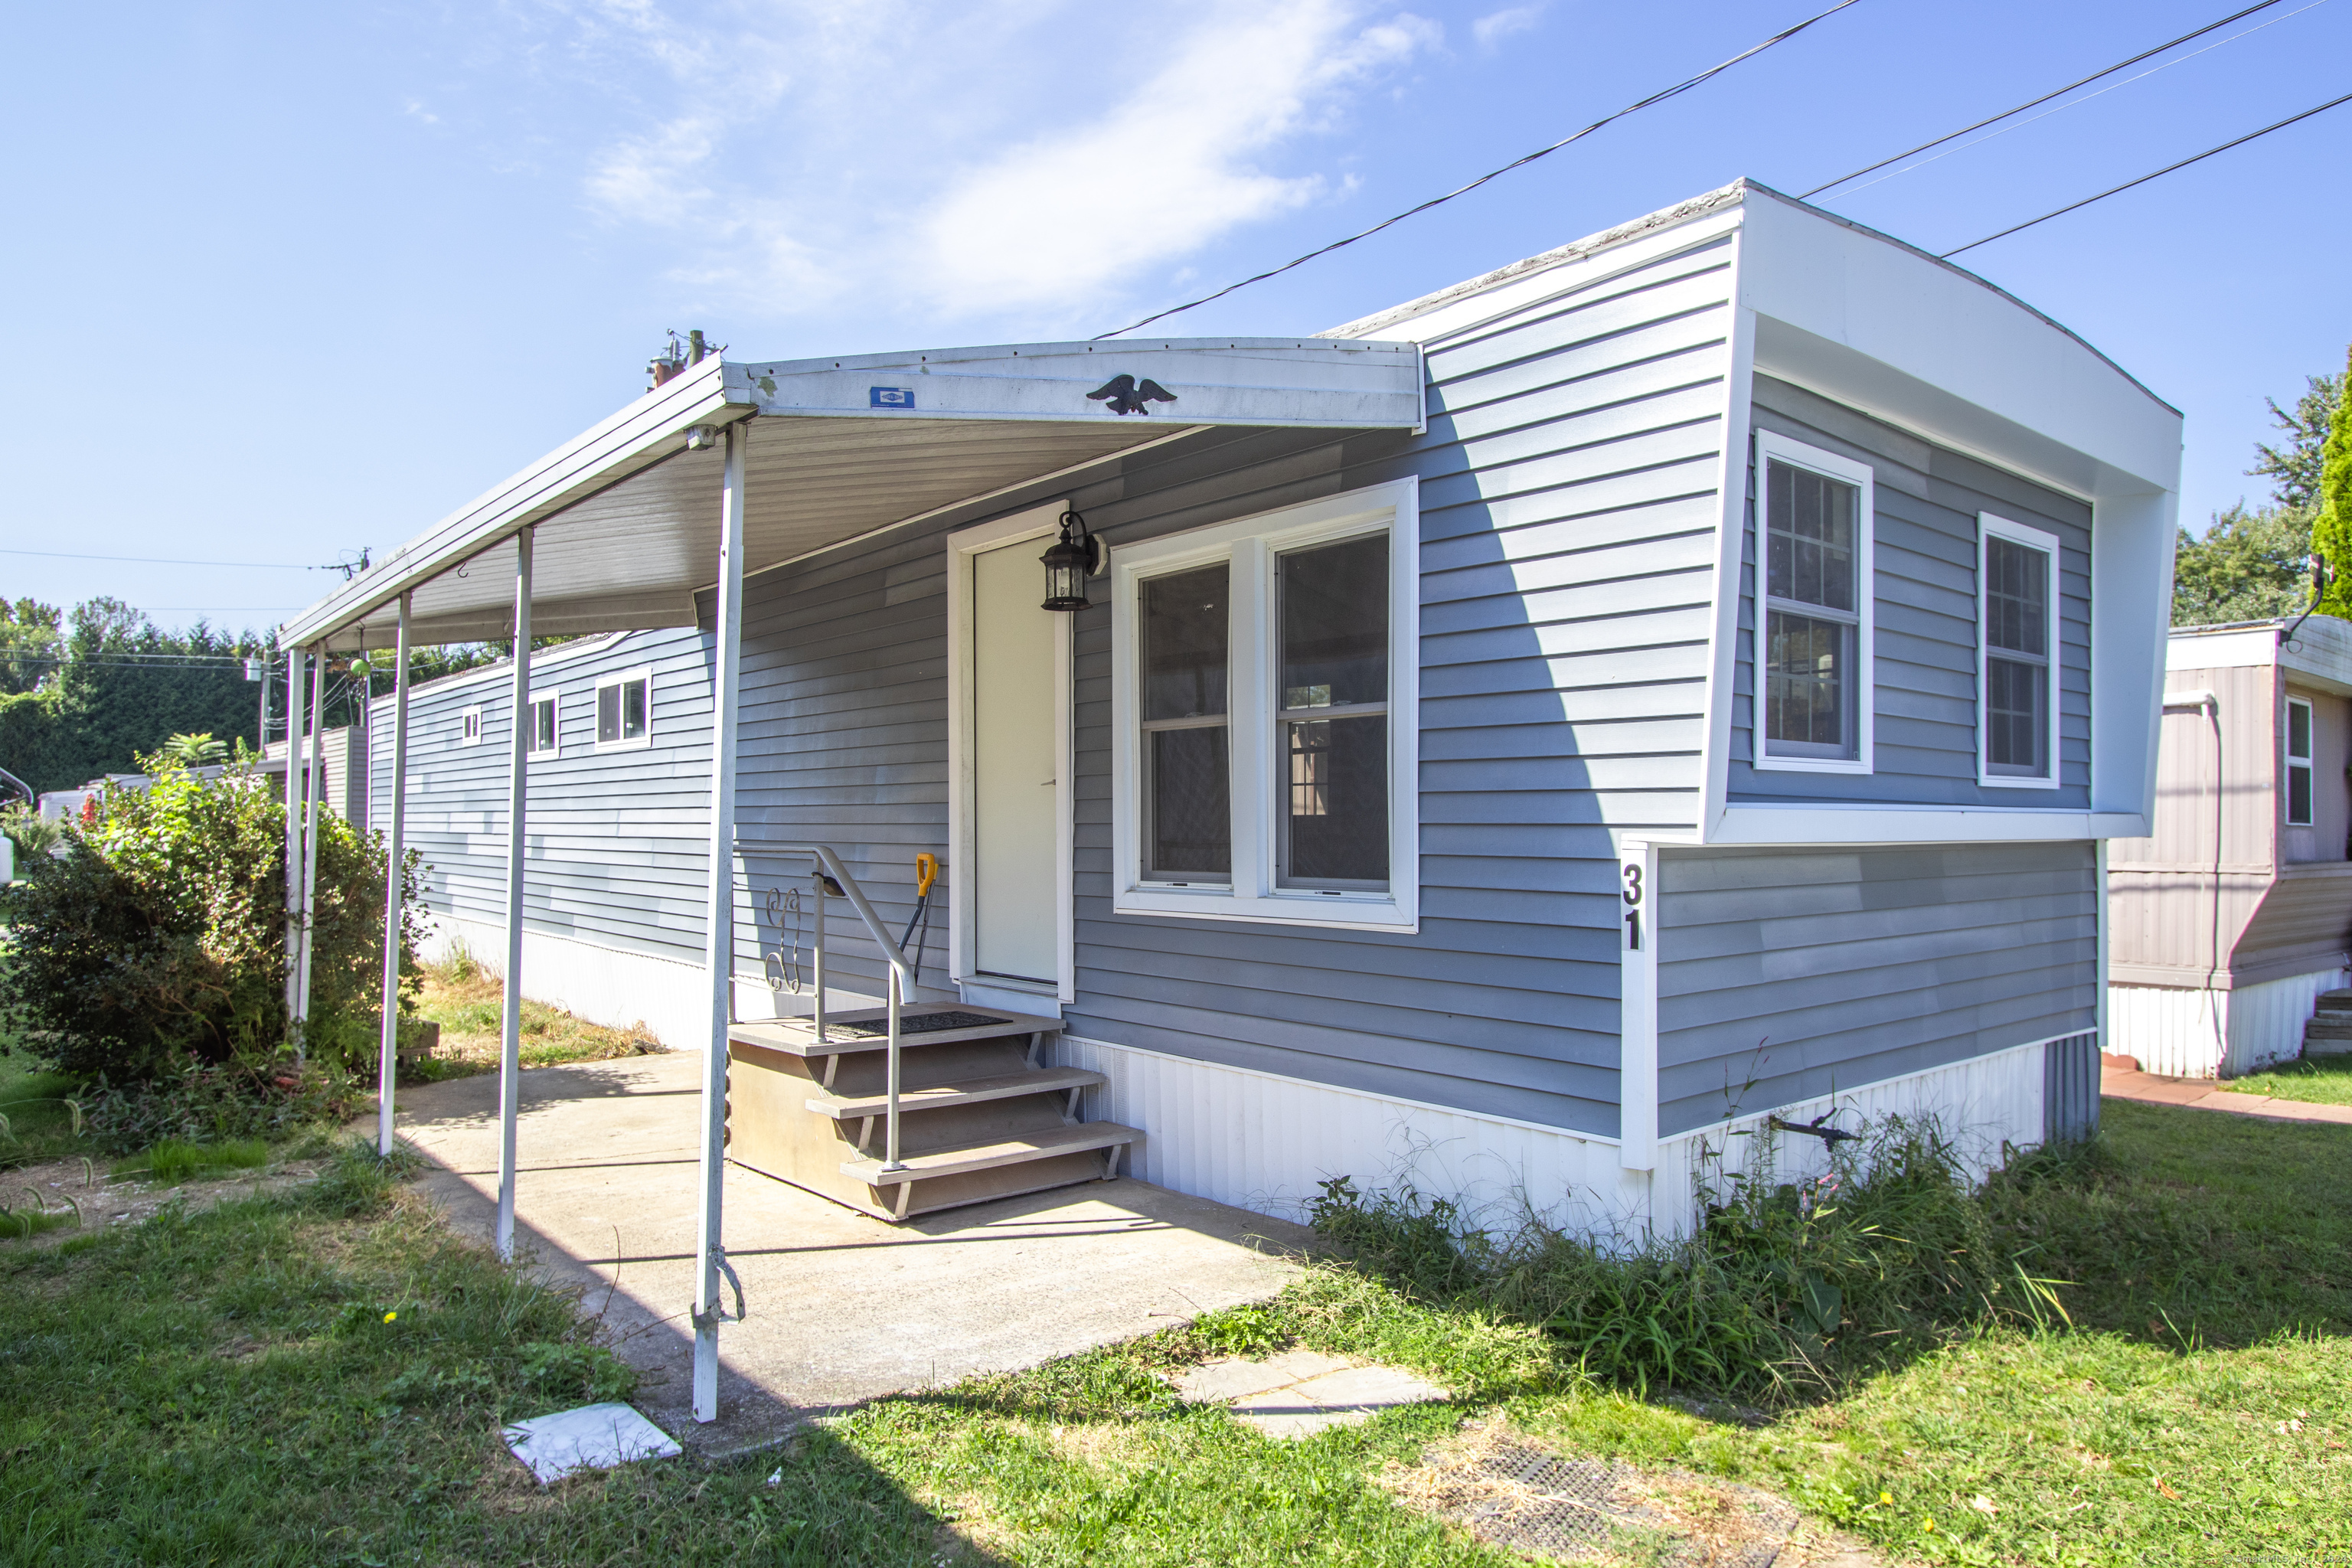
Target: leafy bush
{"x": 158, "y": 944}
{"x": 1784, "y": 1287}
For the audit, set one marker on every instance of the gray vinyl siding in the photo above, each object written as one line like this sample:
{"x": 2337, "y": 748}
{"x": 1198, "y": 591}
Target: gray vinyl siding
{"x": 1785, "y": 974}
{"x": 1926, "y": 644}
{"x": 617, "y": 841}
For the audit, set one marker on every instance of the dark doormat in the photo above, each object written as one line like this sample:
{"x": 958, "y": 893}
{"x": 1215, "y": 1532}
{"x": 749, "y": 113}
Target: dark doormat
{"x": 920, "y": 1024}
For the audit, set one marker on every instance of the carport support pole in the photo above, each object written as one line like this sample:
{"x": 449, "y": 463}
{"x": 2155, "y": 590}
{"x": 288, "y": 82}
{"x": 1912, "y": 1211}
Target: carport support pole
{"x": 517, "y": 788}
{"x": 296, "y": 773}
{"x": 718, "y": 930}
{"x": 388, "y": 1063}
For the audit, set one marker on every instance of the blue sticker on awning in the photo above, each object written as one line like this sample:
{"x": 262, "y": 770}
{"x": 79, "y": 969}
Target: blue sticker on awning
{"x": 890, "y": 396}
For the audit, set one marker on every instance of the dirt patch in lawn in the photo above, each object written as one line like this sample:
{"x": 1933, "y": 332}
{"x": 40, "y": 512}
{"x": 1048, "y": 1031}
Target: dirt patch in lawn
{"x": 75, "y": 1197}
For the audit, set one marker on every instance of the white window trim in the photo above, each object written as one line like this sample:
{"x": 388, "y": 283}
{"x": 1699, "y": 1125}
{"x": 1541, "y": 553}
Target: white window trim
{"x": 474, "y": 714}
{"x": 1989, "y": 527}
{"x": 1770, "y": 448}
{"x": 1251, "y": 543}
{"x": 2288, "y": 762}
{"x": 644, "y": 672}
{"x": 556, "y": 749}
{"x": 1040, "y": 523}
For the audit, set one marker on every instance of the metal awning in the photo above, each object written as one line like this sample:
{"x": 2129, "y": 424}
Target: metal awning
{"x": 628, "y": 515}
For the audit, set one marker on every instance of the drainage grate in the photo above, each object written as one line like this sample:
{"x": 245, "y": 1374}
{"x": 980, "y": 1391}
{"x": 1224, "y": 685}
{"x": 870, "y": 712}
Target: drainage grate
{"x": 920, "y": 1024}
{"x": 1513, "y": 1495}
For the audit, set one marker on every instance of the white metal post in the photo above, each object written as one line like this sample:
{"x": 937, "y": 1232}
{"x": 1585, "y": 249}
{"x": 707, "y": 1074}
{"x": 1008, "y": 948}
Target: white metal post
{"x": 296, "y": 773}
{"x": 388, "y": 1063}
{"x": 313, "y": 826}
{"x": 517, "y": 781}
{"x": 718, "y": 930}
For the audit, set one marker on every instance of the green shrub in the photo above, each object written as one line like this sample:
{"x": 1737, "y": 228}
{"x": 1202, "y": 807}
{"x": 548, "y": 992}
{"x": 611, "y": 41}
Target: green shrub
{"x": 198, "y": 1104}
{"x": 159, "y": 939}
{"x": 1783, "y": 1288}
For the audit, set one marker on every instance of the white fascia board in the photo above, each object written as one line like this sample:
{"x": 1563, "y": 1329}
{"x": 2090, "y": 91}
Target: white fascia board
{"x": 1931, "y": 347}
{"x": 2238, "y": 647}
{"x": 1850, "y": 824}
{"x": 1292, "y": 381}
{"x": 639, "y": 435}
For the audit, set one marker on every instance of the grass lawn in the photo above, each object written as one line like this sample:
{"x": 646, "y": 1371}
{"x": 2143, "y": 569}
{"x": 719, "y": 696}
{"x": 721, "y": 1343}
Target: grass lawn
{"x": 467, "y": 1002}
{"x": 226, "y": 1387}
{"x": 38, "y": 1125}
{"x": 2323, "y": 1080}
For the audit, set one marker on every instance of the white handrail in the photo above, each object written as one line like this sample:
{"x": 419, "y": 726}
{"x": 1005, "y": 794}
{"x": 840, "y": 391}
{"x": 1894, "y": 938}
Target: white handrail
{"x": 830, "y": 869}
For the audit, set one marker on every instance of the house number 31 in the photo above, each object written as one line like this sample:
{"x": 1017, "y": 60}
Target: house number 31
{"x": 1634, "y": 897}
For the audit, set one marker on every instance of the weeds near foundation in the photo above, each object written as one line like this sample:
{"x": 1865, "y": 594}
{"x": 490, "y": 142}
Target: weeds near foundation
{"x": 1783, "y": 1290}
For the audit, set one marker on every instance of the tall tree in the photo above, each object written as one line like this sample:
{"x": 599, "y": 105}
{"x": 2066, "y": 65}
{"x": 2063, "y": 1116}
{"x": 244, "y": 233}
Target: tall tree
{"x": 2249, "y": 566}
{"x": 2332, "y": 534}
{"x": 2295, "y": 462}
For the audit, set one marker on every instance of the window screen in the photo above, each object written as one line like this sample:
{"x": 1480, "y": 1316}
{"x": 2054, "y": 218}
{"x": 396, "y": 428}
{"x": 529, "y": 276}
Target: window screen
{"x": 621, "y": 709}
{"x": 2298, "y": 762}
{"x": 1187, "y": 758}
{"x": 1812, "y": 618}
{"x": 2017, "y": 658}
{"x": 1332, "y": 727}
{"x": 541, "y": 736}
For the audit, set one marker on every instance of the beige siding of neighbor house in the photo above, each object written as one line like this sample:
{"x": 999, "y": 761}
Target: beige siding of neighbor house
{"x": 2264, "y": 902}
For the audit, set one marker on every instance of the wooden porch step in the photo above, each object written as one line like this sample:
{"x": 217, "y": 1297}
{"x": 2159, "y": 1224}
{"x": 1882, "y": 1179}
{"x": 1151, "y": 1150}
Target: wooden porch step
{"x": 797, "y": 1037}
{"x": 971, "y": 1091}
{"x": 956, "y": 1162}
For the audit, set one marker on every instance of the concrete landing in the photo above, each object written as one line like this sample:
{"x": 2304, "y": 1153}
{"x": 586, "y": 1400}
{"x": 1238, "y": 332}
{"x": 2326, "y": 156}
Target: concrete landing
{"x": 843, "y": 1308}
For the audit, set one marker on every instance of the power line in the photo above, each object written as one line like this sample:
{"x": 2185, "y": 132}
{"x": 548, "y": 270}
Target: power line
{"x": 2078, "y": 102}
{"x": 168, "y": 561}
{"x": 2144, "y": 179}
{"x": 1655, "y": 97}
{"x": 2045, "y": 98}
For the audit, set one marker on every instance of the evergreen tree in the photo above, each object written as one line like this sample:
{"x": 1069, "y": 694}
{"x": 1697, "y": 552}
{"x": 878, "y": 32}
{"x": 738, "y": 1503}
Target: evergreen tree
{"x": 2295, "y": 462}
{"x": 2332, "y": 534}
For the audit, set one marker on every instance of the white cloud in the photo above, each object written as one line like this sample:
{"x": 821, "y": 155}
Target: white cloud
{"x": 1494, "y": 27}
{"x": 1034, "y": 161}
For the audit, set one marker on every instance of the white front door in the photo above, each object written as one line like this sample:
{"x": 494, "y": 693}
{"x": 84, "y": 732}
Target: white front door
{"x": 1012, "y": 853}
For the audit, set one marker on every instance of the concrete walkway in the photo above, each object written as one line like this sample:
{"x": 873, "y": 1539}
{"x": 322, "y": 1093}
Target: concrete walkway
{"x": 843, "y": 1308}
{"x": 2209, "y": 1094}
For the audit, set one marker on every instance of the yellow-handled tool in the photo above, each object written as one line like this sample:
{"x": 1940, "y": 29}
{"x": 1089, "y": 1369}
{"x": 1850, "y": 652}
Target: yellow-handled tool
{"x": 926, "y": 872}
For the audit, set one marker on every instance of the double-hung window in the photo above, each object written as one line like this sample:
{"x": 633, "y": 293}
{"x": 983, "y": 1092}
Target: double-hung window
{"x": 541, "y": 734}
{"x": 1813, "y": 577}
{"x": 1263, "y": 699}
{"x": 2298, "y": 762}
{"x": 2017, "y": 600}
{"x": 624, "y": 710}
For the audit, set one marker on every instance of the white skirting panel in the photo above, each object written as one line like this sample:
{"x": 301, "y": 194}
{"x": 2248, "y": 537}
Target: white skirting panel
{"x": 1264, "y": 1142}
{"x": 1985, "y": 1105}
{"x": 2184, "y": 1033}
{"x": 618, "y": 988}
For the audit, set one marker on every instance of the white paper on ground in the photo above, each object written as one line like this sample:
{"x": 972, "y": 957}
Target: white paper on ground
{"x": 593, "y": 1437}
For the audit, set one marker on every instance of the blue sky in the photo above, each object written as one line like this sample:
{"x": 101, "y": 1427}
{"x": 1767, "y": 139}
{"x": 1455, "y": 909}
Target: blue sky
{"x": 283, "y": 281}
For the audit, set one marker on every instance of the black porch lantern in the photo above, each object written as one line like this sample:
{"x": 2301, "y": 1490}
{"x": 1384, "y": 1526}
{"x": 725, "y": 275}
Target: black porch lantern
{"x": 1069, "y": 562}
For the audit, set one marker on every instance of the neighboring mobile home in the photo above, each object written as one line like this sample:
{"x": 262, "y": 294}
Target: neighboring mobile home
{"x": 1531, "y": 734}
{"x": 2235, "y": 913}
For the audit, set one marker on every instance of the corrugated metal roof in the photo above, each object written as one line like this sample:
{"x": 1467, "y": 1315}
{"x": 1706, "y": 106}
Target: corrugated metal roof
{"x": 627, "y": 517}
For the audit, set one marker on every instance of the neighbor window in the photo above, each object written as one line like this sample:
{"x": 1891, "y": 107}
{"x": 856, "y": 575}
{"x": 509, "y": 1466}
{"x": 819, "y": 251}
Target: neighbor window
{"x": 2017, "y": 601}
{"x": 624, "y": 710}
{"x": 1813, "y": 550}
{"x": 541, "y": 734}
{"x": 2298, "y": 762}
{"x": 1265, "y": 758}
{"x": 469, "y": 726}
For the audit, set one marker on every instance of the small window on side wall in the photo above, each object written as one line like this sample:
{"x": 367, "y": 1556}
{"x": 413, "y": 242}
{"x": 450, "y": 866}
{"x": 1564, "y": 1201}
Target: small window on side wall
{"x": 1815, "y": 614}
{"x": 543, "y": 733}
{"x": 624, "y": 708}
{"x": 2017, "y": 608}
{"x": 469, "y": 726}
{"x": 2298, "y": 762}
